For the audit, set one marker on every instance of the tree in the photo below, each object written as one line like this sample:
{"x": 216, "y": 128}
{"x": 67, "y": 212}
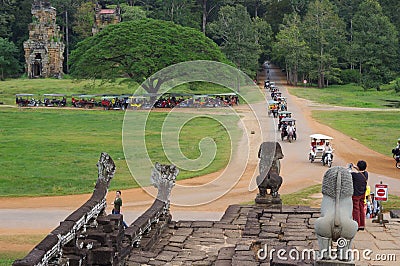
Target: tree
{"x": 84, "y": 20}
{"x": 391, "y": 9}
{"x": 375, "y": 44}
{"x": 255, "y": 6}
{"x": 275, "y": 12}
{"x": 208, "y": 8}
{"x": 20, "y": 10}
{"x": 264, "y": 38}
{"x": 132, "y": 13}
{"x": 140, "y": 48}
{"x": 6, "y": 17}
{"x": 9, "y": 64}
{"x": 66, "y": 13}
{"x": 291, "y": 46}
{"x": 299, "y": 6}
{"x": 182, "y": 12}
{"x": 238, "y": 36}
{"x": 324, "y": 33}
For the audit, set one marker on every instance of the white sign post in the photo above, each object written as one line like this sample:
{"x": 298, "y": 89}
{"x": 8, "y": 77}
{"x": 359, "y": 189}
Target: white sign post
{"x": 381, "y": 194}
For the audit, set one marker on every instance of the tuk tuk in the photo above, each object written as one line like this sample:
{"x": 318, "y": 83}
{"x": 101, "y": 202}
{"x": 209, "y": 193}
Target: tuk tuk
{"x": 285, "y": 130}
{"x": 273, "y": 108}
{"x": 54, "y": 99}
{"x": 317, "y": 144}
{"x": 281, "y": 115}
{"x": 26, "y": 99}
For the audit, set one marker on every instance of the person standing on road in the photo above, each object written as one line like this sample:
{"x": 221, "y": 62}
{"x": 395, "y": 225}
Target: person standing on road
{"x": 360, "y": 179}
{"x": 117, "y": 205}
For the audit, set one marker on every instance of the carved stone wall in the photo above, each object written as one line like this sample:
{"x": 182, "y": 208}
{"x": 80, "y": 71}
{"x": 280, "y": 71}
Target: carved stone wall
{"x": 44, "y": 49}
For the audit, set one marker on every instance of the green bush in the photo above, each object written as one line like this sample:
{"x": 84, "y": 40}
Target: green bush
{"x": 397, "y": 86}
{"x": 350, "y": 76}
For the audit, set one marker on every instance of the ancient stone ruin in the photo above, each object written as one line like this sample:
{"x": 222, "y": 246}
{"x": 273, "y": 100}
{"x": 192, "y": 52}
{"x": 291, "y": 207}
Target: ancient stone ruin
{"x": 105, "y": 16}
{"x": 44, "y": 49}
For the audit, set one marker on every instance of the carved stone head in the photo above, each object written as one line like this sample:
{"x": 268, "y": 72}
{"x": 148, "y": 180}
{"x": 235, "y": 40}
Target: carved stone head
{"x": 163, "y": 177}
{"x": 330, "y": 182}
{"x": 106, "y": 168}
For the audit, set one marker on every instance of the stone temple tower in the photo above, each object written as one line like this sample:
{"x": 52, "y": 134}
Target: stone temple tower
{"x": 105, "y": 16}
{"x": 44, "y": 49}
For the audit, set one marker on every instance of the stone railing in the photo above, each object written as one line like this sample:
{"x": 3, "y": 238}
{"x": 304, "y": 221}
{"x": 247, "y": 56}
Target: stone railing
{"x": 90, "y": 237}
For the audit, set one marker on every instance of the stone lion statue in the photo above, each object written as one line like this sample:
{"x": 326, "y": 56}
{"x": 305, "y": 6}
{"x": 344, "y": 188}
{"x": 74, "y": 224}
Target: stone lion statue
{"x": 269, "y": 153}
{"x": 336, "y": 222}
{"x": 271, "y": 181}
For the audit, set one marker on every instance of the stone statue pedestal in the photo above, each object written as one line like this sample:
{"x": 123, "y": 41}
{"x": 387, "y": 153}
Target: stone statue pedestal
{"x": 379, "y": 219}
{"x": 268, "y": 201}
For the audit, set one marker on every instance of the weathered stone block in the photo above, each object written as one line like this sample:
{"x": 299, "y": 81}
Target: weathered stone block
{"x": 395, "y": 214}
{"x": 223, "y": 263}
{"x": 102, "y": 256}
{"x": 34, "y": 257}
{"x": 206, "y": 224}
{"x": 226, "y": 253}
{"x": 178, "y": 239}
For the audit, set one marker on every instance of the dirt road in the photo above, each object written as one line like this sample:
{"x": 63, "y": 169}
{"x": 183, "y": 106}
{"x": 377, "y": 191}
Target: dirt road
{"x": 41, "y": 215}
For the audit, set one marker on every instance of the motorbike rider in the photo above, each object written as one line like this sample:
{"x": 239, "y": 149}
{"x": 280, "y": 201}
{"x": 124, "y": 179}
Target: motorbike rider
{"x": 290, "y": 129}
{"x": 396, "y": 151}
{"x": 327, "y": 148}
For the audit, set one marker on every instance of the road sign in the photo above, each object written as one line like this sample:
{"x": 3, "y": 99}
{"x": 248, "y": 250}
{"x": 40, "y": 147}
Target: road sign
{"x": 381, "y": 192}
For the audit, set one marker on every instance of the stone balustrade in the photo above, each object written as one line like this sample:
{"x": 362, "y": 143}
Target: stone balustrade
{"x": 90, "y": 237}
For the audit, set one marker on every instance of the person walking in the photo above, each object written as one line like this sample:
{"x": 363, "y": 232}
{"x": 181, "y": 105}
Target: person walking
{"x": 360, "y": 179}
{"x": 117, "y": 205}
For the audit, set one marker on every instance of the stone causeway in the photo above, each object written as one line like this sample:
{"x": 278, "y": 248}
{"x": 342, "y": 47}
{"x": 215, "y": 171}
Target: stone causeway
{"x": 236, "y": 239}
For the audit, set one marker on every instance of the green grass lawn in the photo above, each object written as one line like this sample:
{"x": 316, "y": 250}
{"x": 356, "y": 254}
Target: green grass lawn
{"x": 302, "y": 197}
{"x": 347, "y": 95}
{"x": 54, "y": 152}
{"x": 9, "y": 256}
{"x": 305, "y": 197}
{"x": 377, "y": 130}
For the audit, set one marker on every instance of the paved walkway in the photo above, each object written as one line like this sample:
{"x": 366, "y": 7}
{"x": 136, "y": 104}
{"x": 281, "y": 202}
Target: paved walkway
{"x": 383, "y": 241}
{"x": 251, "y": 235}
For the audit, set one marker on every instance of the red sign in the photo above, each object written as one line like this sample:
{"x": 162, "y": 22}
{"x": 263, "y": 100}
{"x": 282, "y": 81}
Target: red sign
{"x": 381, "y": 192}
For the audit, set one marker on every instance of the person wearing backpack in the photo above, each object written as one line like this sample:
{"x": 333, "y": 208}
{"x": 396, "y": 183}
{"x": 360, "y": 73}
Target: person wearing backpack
{"x": 360, "y": 179}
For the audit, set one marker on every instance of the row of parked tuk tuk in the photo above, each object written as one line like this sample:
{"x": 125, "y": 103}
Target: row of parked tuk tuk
{"x": 77, "y": 100}
{"x": 320, "y": 147}
{"x": 123, "y": 102}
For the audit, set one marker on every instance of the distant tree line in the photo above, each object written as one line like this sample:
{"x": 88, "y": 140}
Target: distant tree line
{"x": 322, "y": 41}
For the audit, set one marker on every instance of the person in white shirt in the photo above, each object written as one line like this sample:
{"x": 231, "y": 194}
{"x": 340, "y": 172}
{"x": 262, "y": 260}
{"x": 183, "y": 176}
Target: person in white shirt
{"x": 327, "y": 148}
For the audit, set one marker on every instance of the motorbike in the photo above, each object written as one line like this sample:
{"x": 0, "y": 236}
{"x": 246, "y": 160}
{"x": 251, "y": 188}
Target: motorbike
{"x": 396, "y": 157}
{"x": 328, "y": 159}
